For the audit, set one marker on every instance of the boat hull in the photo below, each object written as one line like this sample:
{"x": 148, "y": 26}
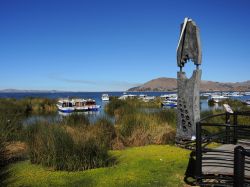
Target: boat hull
{"x": 66, "y": 110}
{"x": 170, "y": 104}
{"x": 87, "y": 108}
{"x": 105, "y": 99}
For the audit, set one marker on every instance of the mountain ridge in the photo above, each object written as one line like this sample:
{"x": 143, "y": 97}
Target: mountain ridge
{"x": 170, "y": 84}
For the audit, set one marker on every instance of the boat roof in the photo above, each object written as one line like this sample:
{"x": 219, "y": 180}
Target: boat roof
{"x": 78, "y": 100}
{"x": 64, "y": 100}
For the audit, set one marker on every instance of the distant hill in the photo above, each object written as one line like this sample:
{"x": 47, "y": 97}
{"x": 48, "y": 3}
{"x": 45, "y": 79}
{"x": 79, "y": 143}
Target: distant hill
{"x": 170, "y": 84}
{"x": 28, "y": 91}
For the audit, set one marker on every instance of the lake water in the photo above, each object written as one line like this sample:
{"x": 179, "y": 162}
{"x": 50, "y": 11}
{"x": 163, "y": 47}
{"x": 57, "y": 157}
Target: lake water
{"x": 97, "y": 97}
{"x": 93, "y": 95}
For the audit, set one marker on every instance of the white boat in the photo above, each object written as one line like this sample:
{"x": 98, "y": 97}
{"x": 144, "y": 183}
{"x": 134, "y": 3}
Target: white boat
{"x": 170, "y": 102}
{"x": 166, "y": 96}
{"x": 247, "y": 102}
{"x": 246, "y": 93}
{"x": 142, "y": 96}
{"x": 218, "y": 98}
{"x": 65, "y": 105}
{"x": 148, "y": 98}
{"x": 207, "y": 94}
{"x": 91, "y": 105}
{"x": 105, "y": 97}
{"x": 79, "y": 105}
{"x": 235, "y": 94}
{"x": 131, "y": 96}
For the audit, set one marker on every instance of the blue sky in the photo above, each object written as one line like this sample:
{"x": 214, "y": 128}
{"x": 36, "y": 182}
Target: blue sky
{"x": 90, "y": 45}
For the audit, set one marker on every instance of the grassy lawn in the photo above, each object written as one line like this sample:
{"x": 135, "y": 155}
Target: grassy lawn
{"x": 154, "y": 165}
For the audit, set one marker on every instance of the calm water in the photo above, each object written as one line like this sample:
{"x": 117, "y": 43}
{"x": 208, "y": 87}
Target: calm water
{"x": 96, "y": 96}
{"x": 93, "y": 95}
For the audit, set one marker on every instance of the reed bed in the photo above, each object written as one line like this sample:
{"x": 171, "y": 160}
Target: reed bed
{"x": 138, "y": 123}
{"x": 71, "y": 148}
{"x": 4, "y": 162}
{"x": 28, "y": 106}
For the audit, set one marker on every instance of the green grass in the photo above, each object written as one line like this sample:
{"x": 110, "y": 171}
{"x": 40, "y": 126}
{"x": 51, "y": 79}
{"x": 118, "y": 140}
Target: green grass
{"x": 154, "y": 165}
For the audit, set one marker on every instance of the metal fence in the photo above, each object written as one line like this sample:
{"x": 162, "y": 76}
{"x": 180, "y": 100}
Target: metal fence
{"x": 234, "y": 161}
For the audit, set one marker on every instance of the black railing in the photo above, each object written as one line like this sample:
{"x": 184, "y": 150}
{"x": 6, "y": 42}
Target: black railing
{"x": 239, "y": 165}
{"x": 229, "y": 132}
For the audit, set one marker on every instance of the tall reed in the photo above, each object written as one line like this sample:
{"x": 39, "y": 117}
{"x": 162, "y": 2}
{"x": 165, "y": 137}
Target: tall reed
{"x": 4, "y": 161}
{"x": 70, "y": 148}
{"x": 138, "y": 123}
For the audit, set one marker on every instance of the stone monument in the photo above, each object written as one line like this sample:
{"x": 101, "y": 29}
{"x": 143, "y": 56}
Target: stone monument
{"x": 188, "y": 103}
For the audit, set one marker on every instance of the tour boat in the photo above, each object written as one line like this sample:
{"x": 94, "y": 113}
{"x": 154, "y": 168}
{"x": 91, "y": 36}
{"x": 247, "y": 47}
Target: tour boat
{"x": 76, "y": 105}
{"x": 80, "y": 105}
{"x": 65, "y": 105}
{"x": 91, "y": 105}
{"x": 105, "y": 97}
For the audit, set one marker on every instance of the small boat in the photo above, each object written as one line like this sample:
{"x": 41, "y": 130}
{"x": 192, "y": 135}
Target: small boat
{"x": 105, "y": 97}
{"x": 246, "y": 93}
{"x": 235, "y": 94}
{"x": 247, "y": 102}
{"x": 148, "y": 98}
{"x": 171, "y": 102}
{"x": 79, "y": 105}
{"x": 126, "y": 96}
{"x": 91, "y": 105}
{"x": 166, "y": 96}
{"x": 142, "y": 96}
{"x": 206, "y": 94}
{"x": 218, "y": 98}
{"x": 65, "y": 105}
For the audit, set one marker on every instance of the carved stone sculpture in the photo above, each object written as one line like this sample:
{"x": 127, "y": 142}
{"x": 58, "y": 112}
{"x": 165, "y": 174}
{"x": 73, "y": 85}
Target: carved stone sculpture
{"x": 189, "y": 47}
{"x": 188, "y": 103}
